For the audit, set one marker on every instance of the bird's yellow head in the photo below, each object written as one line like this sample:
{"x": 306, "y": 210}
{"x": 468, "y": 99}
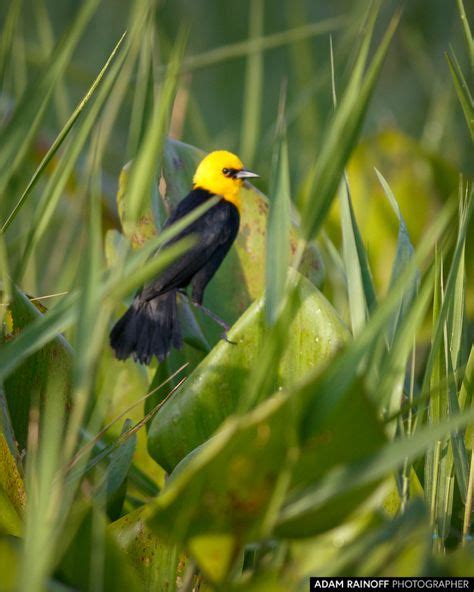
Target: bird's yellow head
{"x": 222, "y": 173}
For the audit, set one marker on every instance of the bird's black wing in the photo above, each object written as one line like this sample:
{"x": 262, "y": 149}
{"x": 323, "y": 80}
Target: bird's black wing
{"x": 205, "y": 274}
{"x": 215, "y": 228}
{"x": 194, "y": 199}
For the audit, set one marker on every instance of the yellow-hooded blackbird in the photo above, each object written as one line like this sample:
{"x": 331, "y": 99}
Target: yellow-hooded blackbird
{"x": 150, "y": 326}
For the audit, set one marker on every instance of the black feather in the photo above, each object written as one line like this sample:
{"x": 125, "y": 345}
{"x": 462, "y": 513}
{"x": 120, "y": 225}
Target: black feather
{"x": 150, "y": 327}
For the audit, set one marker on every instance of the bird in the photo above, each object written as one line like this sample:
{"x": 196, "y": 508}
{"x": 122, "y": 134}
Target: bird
{"x": 150, "y": 327}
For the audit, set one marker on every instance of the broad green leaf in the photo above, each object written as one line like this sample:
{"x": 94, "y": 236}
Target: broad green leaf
{"x": 114, "y": 486}
{"x": 233, "y": 476}
{"x": 367, "y": 546}
{"x": 392, "y": 503}
{"x": 12, "y": 492}
{"x": 144, "y": 227}
{"x": 214, "y": 554}
{"x": 340, "y": 375}
{"x": 20, "y": 345}
{"x": 115, "y": 244}
{"x": 6, "y": 428}
{"x": 301, "y": 513}
{"x": 79, "y": 565}
{"x": 158, "y": 562}
{"x": 237, "y": 474}
{"x": 339, "y": 441}
{"x": 214, "y": 389}
{"x": 262, "y": 582}
{"x": 179, "y": 165}
{"x": 27, "y": 385}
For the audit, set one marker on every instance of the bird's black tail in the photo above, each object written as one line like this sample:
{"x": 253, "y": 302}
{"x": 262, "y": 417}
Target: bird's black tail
{"x": 148, "y": 328}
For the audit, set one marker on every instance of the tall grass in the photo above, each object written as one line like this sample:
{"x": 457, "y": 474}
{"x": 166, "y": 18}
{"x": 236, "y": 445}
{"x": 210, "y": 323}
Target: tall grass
{"x": 313, "y": 446}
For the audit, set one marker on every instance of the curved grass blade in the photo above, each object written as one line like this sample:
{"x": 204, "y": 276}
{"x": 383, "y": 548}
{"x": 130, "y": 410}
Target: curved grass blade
{"x": 250, "y": 46}
{"x": 358, "y": 306}
{"x": 149, "y": 159}
{"x": 462, "y": 91}
{"x": 6, "y": 37}
{"x": 252, "y": 103}
{"x": 61, "y": 137}
{"x": 341, "y": 136}
{"x": 467, "y": 32}
{"x": 403, "y": 255}
{"x": 24, "y": 124}
{"x": 279, "y": 224}
{"x": 55, "y": 187}
{"x": 449, "y": 292}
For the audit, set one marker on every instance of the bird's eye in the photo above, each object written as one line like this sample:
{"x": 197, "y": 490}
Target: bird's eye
{"x": 226, "y": 171}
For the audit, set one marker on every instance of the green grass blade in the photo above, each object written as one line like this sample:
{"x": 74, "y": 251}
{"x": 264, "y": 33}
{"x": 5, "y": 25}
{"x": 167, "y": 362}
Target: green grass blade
{"x": 5, "y": 281}
{"x": 462, "y": 91}
{"x": 343, "y": 371}
{"x": 250, "y": 46}
{"x": 403, "y": 255}
{"x": 252, "y": 104}
{"x": 355, "y": 286}
{"x": 114, "y": 486}
{"x": 130, "y": 275}
{"x": 449, "y": 292}
{"x": 467, "y": 32}
{"x": 143, "y": 92}
{"x": 24, "y": 124}
{"x": 279, "y": 225}
{"x": 388, "y": 392}
{"x": 341, "y": 139}
{"x": 460, "y": 457}
{"x": 46, "y": 38}
{"x": 148, "y": 162}
{"x": 55, "y": 187}
{"x": 8, "y": 32}
{"x": 456, "y": 316}
{"x": 60, "y": 138}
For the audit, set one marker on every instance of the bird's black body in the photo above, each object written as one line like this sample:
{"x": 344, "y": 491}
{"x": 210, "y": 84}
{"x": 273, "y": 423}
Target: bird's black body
{"x": 150, "y": 326}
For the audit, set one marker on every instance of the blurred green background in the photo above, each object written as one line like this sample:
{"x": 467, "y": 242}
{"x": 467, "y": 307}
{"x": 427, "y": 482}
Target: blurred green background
{"x": 414, "y": 131}
{"x": 402, "y": 379}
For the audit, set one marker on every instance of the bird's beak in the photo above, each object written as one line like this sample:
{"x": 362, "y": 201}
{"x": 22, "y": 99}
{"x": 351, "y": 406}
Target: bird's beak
{"x": 245, "y": 174}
